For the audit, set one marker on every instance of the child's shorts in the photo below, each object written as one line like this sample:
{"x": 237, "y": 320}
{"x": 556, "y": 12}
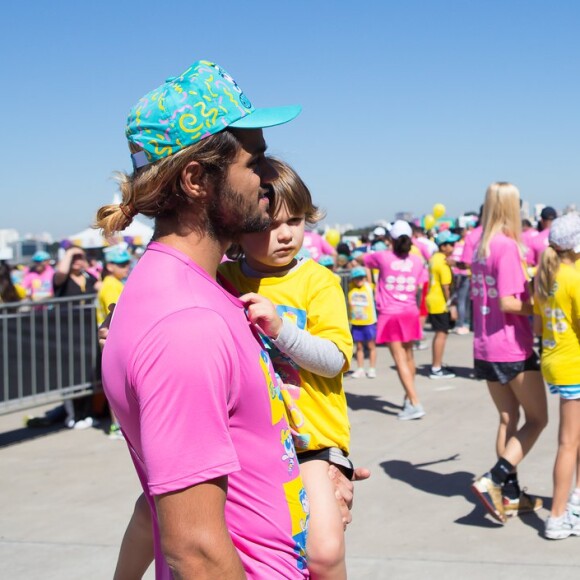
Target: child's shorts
{"x": 567, "y": 392}
{"x": 364, "y": 332}
{"x": 440, "y": 322}
{"x": 332, "y": 455}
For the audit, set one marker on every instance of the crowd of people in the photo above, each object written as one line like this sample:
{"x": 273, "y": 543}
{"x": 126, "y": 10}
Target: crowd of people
{"x": 515, "y": 286}
{"x": 223, "y": 362}
{"x": 30, "y": 287}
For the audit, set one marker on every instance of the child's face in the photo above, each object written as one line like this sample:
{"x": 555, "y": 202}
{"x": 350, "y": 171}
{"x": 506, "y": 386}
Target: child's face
{"x": 119, "y": 271}
{"x": 359, "y": 282}
{"x": 274, "y": 249}
{"x": 447, "y": 249}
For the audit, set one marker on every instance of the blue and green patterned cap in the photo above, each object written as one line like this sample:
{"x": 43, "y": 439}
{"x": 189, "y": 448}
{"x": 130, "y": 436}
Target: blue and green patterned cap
{"x": 202, "y": 101}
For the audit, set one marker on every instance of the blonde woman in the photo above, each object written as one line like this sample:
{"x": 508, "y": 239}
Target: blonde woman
{"x": 503, "y": 351}
{"x": 557, "y": 321}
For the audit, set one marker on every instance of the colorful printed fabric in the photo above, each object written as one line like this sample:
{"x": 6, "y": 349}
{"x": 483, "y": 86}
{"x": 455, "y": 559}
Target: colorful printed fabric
{"x": 202, "y": 101}
{"x": 196, "y": 397}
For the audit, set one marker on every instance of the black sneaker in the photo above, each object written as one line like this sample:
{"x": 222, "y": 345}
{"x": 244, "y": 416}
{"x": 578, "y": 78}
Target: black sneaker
{"x": 443, "y": 373}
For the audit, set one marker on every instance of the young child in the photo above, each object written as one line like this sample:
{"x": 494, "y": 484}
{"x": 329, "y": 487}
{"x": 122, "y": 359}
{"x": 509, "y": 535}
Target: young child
{"x": 557, "y": 321}
{"x": 437, "y": 300}
{"x": 312, "y": 346}
{"x": 309, "y": 339}
{"x": 116, "y": 270}
{"x": 363, "y": 320}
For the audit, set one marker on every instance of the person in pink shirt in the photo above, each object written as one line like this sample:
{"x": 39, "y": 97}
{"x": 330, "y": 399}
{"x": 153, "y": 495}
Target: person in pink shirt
{"x": 401, "y": 276}
{"x": 184, "y": 371}
{"x": 317, "y": 246}
{"x": 528, "y": 235}
{"x": 38, "y": 280}
{"x": 540, "y": 242}
{"x": 503, "y": 351}
{"x": 461, "y": 282}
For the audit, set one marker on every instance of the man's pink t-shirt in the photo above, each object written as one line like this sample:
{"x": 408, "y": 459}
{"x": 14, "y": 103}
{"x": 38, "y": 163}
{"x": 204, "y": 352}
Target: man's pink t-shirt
{"x": 499, "y": 337}
{"x": 527, "y": 240}
{"x": 471, "y": 241}
{"x": 399, "y": 280}
{"x": 537, "y": 246}
{"x": 317, "y": 246}
{"x": 457, "y": 255}
{"x": 39, "y": 286}
{"x": 195, "y": 394}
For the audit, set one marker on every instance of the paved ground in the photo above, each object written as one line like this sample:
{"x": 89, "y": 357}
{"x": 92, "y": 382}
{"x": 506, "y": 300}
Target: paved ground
{"x": 66, "y": 496}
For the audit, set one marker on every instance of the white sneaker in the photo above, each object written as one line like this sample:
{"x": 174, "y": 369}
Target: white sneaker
{"x": 411, "y": 412}
{"x": 358, "y": 374}
{"x": 372, "y": 373}
{"x": 84, "y": 423}
{"x": 564, "y": 527}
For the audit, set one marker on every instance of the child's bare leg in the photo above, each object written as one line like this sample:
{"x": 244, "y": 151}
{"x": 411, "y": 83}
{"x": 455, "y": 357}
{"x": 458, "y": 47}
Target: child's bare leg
{"x": 438, "y": 347}
{"x": 567, "y": 456}
{"x": 325, "y": 544}
{"x": 372, "y": 353}
{"x": 136, "y": 553}
{"x": 360, "y": 355}
{"x": 406, "y": 373}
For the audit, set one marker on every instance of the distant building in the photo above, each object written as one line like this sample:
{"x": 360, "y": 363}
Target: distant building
{"x": 406, "y": 216}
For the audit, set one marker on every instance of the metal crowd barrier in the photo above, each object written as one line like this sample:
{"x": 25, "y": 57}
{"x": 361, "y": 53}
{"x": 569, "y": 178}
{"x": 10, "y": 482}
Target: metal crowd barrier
{"x": 48, "y": 351}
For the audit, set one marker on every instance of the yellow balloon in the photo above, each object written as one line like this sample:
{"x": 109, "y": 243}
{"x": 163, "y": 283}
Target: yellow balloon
{"x": 438, "y": 211}
{"x": 332, "y": 237}
{"x": 428, "y": 221}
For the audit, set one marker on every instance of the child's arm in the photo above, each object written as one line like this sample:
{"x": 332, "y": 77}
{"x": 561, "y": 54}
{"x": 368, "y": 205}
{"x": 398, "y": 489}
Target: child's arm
{"x": 312, "y": 353}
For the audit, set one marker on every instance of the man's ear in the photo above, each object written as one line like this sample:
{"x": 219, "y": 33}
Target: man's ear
{"x": 192, "y": 182}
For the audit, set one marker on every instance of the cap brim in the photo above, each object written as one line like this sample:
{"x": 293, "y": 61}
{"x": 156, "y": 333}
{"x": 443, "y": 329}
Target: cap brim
{"x": 262, "y": 118}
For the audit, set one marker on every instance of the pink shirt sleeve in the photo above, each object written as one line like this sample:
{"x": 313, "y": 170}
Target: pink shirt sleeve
{"x": 187, "y": 380}
{"x": 511, "y": 280}
{"x": 371, "y": 260}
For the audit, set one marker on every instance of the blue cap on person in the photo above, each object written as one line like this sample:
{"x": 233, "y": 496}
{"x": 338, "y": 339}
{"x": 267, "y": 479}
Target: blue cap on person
{"x": 40, "y": 256}
{"x": 200, "y": 102}
{"x": 358, "y": 273}
{"x": 326, "y": 261}
{"x": 446, "y": 237}
{"x": 116, "y": 255}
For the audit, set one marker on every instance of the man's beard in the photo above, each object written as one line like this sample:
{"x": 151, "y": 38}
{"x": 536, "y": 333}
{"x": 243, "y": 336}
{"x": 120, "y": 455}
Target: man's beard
{"x": 230, "y": 215}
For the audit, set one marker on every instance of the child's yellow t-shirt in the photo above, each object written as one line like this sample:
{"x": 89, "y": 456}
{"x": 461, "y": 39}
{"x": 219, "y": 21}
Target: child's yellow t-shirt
{"x": 439, "y": 275}
{"x": 561, "y": 328}
{"x": 310, "y": 297}
{"x": 361, "y": 305}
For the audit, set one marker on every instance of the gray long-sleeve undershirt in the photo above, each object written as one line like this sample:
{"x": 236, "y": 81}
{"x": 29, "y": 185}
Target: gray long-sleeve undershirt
{"x": 312, "y": 353}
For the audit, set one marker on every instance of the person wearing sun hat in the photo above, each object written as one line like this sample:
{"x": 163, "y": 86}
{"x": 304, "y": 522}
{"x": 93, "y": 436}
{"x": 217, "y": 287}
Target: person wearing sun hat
{"x": 37, "y": 282}
{"x": 401, "y": 275}
{"x": 363, "y": 320}
{"x": 556, "y": 308}
{"x": 116, "y": 269}
{"x": 438, "y": 301}
{"x": 200, "y": 383}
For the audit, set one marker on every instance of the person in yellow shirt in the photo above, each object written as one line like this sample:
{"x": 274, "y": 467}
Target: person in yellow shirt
{"x": 437, "y": 301}
{"x": 557, "y": 321}
{"x": 363, "y": 320}
{"x": 115, "y": 272}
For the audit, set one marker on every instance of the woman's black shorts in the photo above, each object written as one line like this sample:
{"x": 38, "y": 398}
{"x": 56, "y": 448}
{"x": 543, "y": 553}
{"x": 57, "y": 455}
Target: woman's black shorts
{"x": 504, "y": 372}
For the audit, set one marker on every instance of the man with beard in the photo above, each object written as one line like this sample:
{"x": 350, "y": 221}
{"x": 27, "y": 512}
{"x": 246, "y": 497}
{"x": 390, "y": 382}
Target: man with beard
{"x": 183, "y": 370}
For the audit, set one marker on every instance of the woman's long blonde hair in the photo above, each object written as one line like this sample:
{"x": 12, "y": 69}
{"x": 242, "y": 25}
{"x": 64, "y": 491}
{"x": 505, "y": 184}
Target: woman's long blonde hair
{"x": 548, "y": 270}
{"x": 501, "y": 214}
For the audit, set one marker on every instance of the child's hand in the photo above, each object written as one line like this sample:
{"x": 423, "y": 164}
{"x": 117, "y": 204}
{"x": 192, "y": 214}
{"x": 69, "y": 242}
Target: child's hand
{"x": 262, "y": 313}
{"x": 104, "y": 328}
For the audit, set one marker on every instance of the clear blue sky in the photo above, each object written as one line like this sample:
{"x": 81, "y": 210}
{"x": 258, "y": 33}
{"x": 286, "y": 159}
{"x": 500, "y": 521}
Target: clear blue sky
{"x": 405, "y": 103}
